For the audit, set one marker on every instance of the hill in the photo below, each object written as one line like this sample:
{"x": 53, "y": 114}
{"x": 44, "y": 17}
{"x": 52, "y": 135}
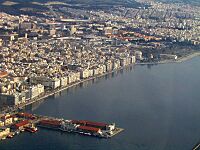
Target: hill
{"x": 191, "y": 2}
{"x": 17, "y": 6}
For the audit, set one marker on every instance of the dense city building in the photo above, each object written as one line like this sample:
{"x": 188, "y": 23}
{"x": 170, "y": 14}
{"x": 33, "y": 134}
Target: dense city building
{"x": 42, "y": 54}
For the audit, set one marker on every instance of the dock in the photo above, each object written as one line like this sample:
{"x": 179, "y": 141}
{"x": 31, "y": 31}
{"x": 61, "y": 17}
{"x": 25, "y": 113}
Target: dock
{"x": 117, "y": 131}
{"x": 25, "y": 122}
{"x": 114, "y": 132}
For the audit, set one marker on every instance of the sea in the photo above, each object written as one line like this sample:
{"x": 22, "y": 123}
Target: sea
{"x": 158, "y": 106}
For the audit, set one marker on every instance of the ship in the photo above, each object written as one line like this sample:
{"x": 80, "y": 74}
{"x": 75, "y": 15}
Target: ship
{"x": 10, "y": 135}
{"x": 31, "y": 129}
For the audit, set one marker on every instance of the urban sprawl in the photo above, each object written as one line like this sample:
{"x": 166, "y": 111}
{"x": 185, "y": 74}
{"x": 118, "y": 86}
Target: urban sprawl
{"x": 65, "y": 45}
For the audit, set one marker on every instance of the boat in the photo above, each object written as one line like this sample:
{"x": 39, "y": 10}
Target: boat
{"x": 87, "y": 133}
{"x": 31, "y": 129}
{"x": 18, "y": 131}
{"x": 10, "y": 136}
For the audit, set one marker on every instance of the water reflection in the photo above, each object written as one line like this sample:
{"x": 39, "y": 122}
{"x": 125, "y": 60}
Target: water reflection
{"x": 33, "y": 106}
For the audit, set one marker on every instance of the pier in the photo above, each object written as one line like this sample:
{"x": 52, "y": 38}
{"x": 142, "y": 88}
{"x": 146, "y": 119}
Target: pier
{"x": 31, "y": 122}
{"x": 114, "y": 131}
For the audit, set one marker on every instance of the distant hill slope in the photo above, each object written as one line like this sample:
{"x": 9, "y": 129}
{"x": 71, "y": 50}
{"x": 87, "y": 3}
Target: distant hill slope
{"x": 192, "y": 2}
{"x": 102, "y": 2}
{"x": 15, "y": 6}
{"x": 90, "y": 2}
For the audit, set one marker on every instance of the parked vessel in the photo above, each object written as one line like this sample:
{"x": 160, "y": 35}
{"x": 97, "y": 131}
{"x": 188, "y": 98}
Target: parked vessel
{"x": 10, "y": 136}
{"x": 31, "y": 129}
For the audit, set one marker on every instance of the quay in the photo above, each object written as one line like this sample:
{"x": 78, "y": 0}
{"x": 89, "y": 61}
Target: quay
{"x": 19, "y": 122}
{"x": 87, "y": 127}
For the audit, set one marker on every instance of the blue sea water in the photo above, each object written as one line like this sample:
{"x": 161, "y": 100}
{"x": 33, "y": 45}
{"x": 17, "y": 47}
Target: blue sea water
{"x": 158, "y": 106}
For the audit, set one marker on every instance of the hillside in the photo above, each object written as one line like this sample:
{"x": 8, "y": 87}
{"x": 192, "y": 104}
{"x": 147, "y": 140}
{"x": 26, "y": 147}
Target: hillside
{"x": 191, "y": 2}
{"x": 17, "y": 6}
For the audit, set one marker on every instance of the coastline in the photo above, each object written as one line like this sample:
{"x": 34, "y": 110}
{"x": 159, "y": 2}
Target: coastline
{"x": 179, "y": 60}
{"x": 55, "y": 91}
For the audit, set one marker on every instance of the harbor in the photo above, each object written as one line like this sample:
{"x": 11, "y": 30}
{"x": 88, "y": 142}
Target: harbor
{"x": 14, "y": 124}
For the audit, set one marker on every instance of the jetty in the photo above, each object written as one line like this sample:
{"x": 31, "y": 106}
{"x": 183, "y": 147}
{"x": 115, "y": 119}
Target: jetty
{"x": 21, "y": 121}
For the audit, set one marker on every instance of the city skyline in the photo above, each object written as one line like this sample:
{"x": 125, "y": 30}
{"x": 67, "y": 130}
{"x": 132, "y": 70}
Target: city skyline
{"x": 47, "y": 47}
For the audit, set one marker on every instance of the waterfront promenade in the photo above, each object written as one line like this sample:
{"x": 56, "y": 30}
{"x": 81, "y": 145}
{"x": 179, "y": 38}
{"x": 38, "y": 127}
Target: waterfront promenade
{"x": 55, "y": 91}
{"x": 52, "y": 92}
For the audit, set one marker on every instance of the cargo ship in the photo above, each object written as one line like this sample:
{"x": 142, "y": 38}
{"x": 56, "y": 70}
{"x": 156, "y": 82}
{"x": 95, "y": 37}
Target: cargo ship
{"x": 80, "y": 126}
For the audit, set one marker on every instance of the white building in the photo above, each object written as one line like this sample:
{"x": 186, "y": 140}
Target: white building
{"x": 73, "y": 77}
{"x": 36, "y": 90}
{"x": 116, "y": 64}
{"x": 133, "y": 59}
{"x": 84, "y": 73}
{"x": 48, "y": 82}
{"x": 63, "y": 81}
{"x": 4, "y": 132}
{"x": 138, "y": 55}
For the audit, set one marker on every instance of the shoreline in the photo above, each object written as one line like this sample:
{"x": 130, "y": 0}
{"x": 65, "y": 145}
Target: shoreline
{"x": 179, "y": 60}
{"x": 53, "y": 92}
